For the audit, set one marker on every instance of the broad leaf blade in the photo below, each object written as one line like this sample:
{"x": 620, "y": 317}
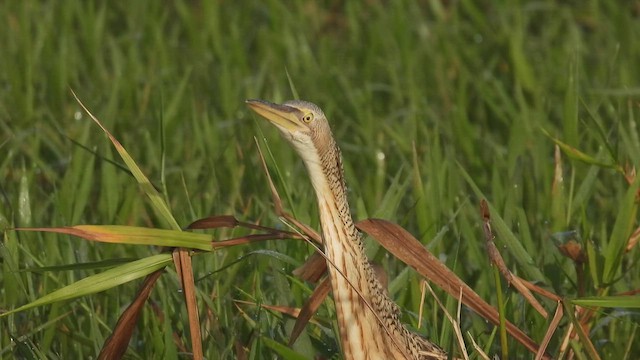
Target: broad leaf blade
{"x": 134, "y": 235}
{"x": 101, "y": 282}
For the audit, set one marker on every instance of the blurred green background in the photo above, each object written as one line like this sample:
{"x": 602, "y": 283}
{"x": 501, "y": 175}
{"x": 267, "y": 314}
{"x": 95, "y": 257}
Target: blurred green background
{"x": 419, "y": 93}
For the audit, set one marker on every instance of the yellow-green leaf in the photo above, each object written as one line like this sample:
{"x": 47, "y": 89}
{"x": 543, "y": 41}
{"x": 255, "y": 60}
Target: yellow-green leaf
{"x": 101, "y": 282}
{"x": 619, "y": 301}
{"x": 134, "y": 235}
{"x": 576, "y": 154}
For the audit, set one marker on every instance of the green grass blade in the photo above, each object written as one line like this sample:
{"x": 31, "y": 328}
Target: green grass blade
{"x": 504, "y": 345}
{"x": 616, "y": 301}
{"x": 585, "y": 342}
{"x": 594, "y": 120}
{"x": 93, "y": 265}
{"x": 620, "y": 234}
{"x": 282, "y": 350}
{"x": 576, "y": 154}
{"x": 506, "y": 236}
{"x": 292, "y": 86}
{"x": 570, "y": 108}
{"x": 159, "y": 205}
{"x": 102, "y": 281}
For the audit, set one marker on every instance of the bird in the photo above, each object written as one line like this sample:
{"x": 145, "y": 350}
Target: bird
{"x": 369, "y": 323}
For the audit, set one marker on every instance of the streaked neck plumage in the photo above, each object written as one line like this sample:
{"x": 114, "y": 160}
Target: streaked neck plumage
{"x": 367, "y": 331}
{"x": 368, "y": 320}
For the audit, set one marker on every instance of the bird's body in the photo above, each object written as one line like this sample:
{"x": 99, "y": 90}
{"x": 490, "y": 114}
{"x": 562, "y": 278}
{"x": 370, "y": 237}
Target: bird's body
{"x": 368, "y": 319}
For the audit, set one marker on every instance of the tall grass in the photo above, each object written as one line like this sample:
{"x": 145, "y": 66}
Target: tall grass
{"x": 418, "y": 93}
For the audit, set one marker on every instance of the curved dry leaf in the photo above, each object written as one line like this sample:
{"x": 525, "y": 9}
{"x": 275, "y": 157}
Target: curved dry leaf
{"x": 407, "y": 248}
{"x": 214, "y": 222}
{"x": 310, "y": 308}
{"x": 117, "y": 343}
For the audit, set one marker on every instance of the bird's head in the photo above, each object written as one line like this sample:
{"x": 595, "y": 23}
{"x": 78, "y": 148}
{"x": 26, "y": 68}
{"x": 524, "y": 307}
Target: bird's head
{"x": 302, "y": 123}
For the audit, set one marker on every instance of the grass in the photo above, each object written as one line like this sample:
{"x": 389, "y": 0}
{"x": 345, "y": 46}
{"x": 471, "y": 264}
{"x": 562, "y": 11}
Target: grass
{"x": 435, "y": 105}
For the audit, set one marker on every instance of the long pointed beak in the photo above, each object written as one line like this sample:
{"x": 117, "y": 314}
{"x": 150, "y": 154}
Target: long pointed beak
{"x": 283, "y": 116}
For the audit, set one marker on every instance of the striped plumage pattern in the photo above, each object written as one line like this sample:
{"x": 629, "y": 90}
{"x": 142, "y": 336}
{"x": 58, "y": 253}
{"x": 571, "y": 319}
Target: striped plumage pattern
{"x": 372, "y": 331}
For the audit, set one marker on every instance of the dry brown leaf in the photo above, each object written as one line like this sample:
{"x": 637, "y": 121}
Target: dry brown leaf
{"x": 558, "y": 179}
{"x": 518, "y": 283}
{"x": 241, "y": 240}
{"x": 182, "y": 261}
{"x": 230, "y": 221}
{"x": 214, "y": 222}
{"x": 633, "y": 240}
{"x": 405, "y": 247}
{"x": 546, "y": 293}
{"x": 553, "y": 326}
{"x": 241, "y": 351}
{"x": 496, "y": 259}
{"x": 313, "y": 268}
{"x": 573, "y": 250}
{"x": 287, "y": 310}
{"x": 116, "y": 345}
{"x": 310, "y": 308}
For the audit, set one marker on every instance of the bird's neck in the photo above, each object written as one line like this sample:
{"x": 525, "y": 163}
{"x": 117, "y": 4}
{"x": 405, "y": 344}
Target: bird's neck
{"x": 363, "y": 334}
{"x": 331, "y": 191}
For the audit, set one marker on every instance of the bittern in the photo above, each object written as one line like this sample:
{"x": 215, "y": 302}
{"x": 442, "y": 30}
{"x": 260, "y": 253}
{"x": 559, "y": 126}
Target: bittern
{"x": 368, "y": 320}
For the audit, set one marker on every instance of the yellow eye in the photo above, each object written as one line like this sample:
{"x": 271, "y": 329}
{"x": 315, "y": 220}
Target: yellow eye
{"x": 307, "y": 118}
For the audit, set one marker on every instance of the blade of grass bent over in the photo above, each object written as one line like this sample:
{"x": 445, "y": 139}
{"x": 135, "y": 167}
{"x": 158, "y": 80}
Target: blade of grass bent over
{"x": 101, "y": 282}
{"x": 576, "y": 154}
{"x": 159, "y": 205}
